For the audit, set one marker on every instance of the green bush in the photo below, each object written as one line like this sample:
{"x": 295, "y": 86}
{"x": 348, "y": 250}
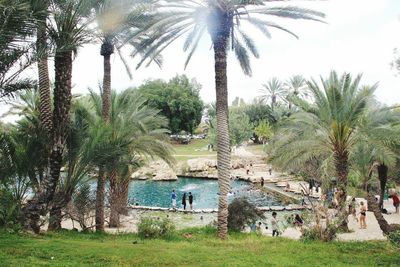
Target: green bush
{"x": 9, "y": 211}
{"x": 394, "y": 238}
{"x": 242, "y": 213}
{"x": 154, "y": 228}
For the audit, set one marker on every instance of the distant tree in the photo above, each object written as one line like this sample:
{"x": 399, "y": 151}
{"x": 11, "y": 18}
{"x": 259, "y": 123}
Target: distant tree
{"x": 237, "y": 102}
{"x": 272, "y": 92}
{"x": 264, "y": 131}
{"x": 240, "y": 127}
{"x": 178, "y": 99}
{"x": 295, "y": 86}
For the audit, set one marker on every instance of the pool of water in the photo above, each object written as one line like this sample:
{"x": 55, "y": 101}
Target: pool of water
{"x": 205, "y": 193}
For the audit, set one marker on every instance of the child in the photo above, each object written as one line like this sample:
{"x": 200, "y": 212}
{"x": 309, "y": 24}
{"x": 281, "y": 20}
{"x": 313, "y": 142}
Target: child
{"x": 352, "y": 208}
{"x": 274, "y": 224}
{"x": 363, "y": 214}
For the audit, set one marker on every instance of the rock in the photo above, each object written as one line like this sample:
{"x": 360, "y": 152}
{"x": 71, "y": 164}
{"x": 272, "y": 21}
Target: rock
{"x": 201, "y": 164}
{"x": 156, "y": 170}
{"x": 264, "y": 208}
{"x": 277, "y": 208}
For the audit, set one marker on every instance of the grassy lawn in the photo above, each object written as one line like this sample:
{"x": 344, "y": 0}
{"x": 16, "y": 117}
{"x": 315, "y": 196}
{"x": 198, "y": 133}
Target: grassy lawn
{"x": 195, "y": 149}
{"x": 256, "y": 149}
{"x": 203, "y": 249}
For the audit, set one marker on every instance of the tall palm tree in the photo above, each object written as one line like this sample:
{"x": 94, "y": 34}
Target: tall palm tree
{"x": 273, "y": 90}
{"x": 40, "y": 9}
{"x": 295, "y": 86}
{"x": 222, "y": 19}
{"x": 68, "y": 30}
{"x": 327, "y": 127}
{"x": 116, "y": 20}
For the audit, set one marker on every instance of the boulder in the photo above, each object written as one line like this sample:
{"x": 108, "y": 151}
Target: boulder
{"x": 157, "y": 170}
{"x": 201, "y": 164}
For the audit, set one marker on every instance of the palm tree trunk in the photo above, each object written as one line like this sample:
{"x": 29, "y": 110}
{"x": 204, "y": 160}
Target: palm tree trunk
{"x": 382, "y": 176}
{"x": 123, "y": 194}
{"x": 383, "y": 224}
{"x": 44, "y": 81}
{"x": 342, "y": 169}
{"x": 223, "y": 151}
{"x": 100, "y": 197}
{"x": 62, "y": 103}
{"x": 106, "y": 51}
{"x": 106, "y": 97}
{"x": 114, "y": 212}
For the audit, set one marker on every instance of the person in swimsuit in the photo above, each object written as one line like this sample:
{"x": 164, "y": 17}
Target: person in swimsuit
{"x": 363, "y": 215}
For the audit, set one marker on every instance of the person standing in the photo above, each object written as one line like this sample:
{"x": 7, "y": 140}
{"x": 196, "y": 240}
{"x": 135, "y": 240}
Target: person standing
{"x": 363, "y": 215}
{"x": 262, "y": 181}
{"x": 274, "y": 224}
{"x": 270, "y": 171}
{"x": 191, "y": 200}
{"x": 396, "y": 201}
{"x": 173, "y": 199}
{"x": 184, "y": 201}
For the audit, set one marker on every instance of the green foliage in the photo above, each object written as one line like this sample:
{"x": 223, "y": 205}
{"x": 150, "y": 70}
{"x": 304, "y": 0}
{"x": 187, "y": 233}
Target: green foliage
{"x": 83, "y": 203}
{"x": 264, "y": 131}
{"x": 178, "y": 100}
{"x": 221, "y": 20}
{"x": 9, "y": 210}
{"x": 242, "y": 213}
{"x": 155, "y": 228}
{"x": 257, "y": 111}
{"x": 324, "y": 127}
{"x": 394, "y": 238}
{"x": 240, "y": 127}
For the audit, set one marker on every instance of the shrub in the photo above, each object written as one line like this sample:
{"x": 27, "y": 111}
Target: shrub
{"x": 394, "y": 237}
{"x": 9, "y": 211}
{"x": 154, "y": 228}
{"x": 242, "y": 213}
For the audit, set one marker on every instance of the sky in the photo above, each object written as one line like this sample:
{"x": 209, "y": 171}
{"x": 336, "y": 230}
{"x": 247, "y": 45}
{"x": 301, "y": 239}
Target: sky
{"x": 358, "y": 37}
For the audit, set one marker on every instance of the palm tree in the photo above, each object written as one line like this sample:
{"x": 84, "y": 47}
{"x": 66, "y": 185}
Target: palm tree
{"x": 327, "y": 127}
{"x": 379, "y": 128}
{"x": 41, "y": 13}
{"x": 273, "y": 90}
{"x": 68, "y": 30}
{"x": 222, "y": 20}
{"x": 295, "y": 86}
{"x": 136, "y": 132}
{"x": 116, "y": 20}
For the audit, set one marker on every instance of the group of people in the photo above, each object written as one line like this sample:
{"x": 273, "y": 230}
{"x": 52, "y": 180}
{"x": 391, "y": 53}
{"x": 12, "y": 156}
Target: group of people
{"x": 296, "y": 220}
{"x": 185, "y": 198}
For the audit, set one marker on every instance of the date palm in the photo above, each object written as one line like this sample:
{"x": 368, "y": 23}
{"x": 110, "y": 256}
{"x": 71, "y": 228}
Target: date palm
{"x": 273, "y": 91}
{"x": 137, "y": 133}
{"x": 116, "y": 20}
{"x": 223, "y": 20}
{"x": 327, "y": 127}
{"x": 68, "y": 30}
{"x": 295, "y": 86}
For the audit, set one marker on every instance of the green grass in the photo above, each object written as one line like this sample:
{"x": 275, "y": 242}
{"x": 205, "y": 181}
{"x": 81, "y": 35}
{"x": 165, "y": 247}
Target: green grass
{"x": 203, "y": 249}
{"x": 197, "y": 148}
{"x": 257, "y": 149}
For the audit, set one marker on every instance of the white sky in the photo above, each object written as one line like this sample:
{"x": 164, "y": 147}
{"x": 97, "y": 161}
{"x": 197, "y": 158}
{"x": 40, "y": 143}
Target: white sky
{"x": 359, "y": 37}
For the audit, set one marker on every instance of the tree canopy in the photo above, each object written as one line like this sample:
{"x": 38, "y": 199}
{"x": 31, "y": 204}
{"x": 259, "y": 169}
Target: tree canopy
{"x": 178, "y": 99}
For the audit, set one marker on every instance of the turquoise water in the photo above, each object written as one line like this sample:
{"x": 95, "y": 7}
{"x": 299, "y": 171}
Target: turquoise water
{"x": 205, "y": 193}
